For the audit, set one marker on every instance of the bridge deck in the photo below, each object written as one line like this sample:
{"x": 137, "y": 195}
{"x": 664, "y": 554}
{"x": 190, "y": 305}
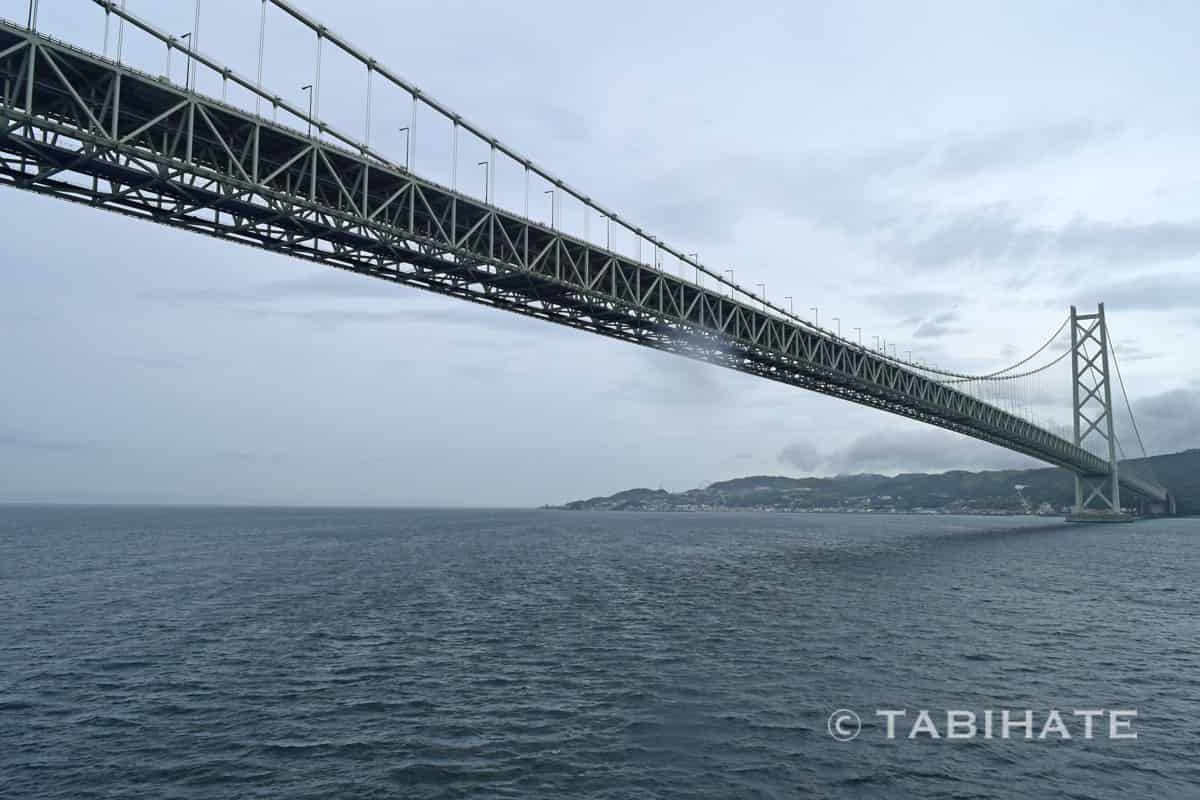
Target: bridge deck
{"x": 80, "y": 127}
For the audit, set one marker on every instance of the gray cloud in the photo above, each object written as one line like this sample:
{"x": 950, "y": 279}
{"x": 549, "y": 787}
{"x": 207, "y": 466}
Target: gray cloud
{"x": 1166, "y": 291}
{"x": 854, "y": 194}
{"x": 802, "y": 455}
{"x": 158, "y": 362}
{"x": 331, "y": 284}
{"x": 561, "y": 122}
{"x": 851, "y": 192}
{"x": 930, "y": 450}
{"x": 986, "y": 233}
{"x": 1129, "y": 351}
{"x": 1169, "y": 422}
{"x": 969, "y": 155}
{"x": 1130, "y": 242}
{"x": 329, "y": 318}
{"x": 450, "y": 315}
{"x": 418, "y": 306}
{"x": 16, "y": 317}
{"x": 676, "y": 382}
{"x": 833, "y": 191}
{"x": 990, "y": 234}
{"x": 11, "y": 440}
{"x": 938, "y": 326}
{"x": 914, "y": 304}
{"x": 924, "y": 451}
{"x": 687, "y": 216}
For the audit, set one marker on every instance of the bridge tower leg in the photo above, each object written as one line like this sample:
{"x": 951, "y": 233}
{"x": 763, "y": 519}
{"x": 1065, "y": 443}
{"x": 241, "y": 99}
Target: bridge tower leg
{"x": 1097, "y": 497}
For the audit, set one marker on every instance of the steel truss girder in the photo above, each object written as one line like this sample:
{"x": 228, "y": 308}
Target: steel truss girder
{"x": 76, "y": 126}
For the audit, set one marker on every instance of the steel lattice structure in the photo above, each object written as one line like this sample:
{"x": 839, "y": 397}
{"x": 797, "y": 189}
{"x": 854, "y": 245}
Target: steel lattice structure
{"x": 81, "y": 127}
{"x": 1092, "y": 405}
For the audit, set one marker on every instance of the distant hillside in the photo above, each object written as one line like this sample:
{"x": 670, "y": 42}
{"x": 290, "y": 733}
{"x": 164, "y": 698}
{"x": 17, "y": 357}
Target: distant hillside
{"x": 1047, "y": 491}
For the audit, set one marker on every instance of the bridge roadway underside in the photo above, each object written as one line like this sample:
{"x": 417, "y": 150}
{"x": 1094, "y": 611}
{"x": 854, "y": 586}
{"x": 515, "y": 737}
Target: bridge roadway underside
{"x": 80, "y": 127}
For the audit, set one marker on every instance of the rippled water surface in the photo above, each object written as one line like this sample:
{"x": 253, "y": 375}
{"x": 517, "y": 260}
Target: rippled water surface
{"x": 428, "y": 654}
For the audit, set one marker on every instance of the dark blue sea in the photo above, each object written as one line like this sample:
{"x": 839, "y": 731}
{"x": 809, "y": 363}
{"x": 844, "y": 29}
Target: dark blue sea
{"x": 219, "y": 653}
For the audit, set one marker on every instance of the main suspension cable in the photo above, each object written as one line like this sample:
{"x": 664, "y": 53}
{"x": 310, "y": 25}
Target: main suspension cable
{"x": 1026, "y": 374}
{"x": 1002, "y": 374}
{"x": 1032, "y": 356}
{"x": 1128, "y": 406}
{"x": 1149, "y": 466}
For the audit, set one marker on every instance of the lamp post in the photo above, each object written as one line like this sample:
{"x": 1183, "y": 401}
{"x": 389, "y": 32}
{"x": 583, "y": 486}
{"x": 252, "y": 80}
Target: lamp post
{"x": 551, "y": 193}
{"x": 407, "y": 136}
{"x": 308, "y": 88}
{"x": 838, "y": 320}
{"x": 816, "y": 317}
{"x": 187, "y": 69}
{"x": 696, "y": 263}
{"x": 730, "y": 273}
{"x": 859, "y": 336}
{"x": 791, "y": 309}
{"x": 762, "y": 294}
{"x": 484, "y": 164}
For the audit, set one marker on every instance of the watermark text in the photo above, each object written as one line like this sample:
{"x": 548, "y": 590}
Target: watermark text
{"x": 1024, "y": 724}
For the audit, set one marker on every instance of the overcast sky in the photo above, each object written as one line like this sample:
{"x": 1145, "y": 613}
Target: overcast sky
{"x": 950, "y": 176}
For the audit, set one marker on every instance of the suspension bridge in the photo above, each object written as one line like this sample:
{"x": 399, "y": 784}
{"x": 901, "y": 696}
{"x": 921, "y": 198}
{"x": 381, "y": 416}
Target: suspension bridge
{"x": 111, "y": 128}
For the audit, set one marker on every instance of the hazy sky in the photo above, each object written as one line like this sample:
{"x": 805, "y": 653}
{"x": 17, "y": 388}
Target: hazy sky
{"x": 951, "y": 176}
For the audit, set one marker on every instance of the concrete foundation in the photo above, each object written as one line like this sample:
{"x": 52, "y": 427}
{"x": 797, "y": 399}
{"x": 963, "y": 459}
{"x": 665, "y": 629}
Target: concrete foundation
{"x": 1099, "y": 516}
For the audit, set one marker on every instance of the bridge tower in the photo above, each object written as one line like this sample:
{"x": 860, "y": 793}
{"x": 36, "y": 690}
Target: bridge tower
{"x": 1097, "y": 497}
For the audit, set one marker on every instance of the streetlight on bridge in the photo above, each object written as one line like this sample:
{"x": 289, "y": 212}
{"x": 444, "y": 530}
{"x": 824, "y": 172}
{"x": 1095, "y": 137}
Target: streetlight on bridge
{"x": 552, "y": 204}
{"x": 407, "y": 135}
{"x": 838, "y": 320}
{"x": 308, "y": 88}
{"x": 816, "y": 317}
{"x": 484, "y": 164}
{"x": 187, "y": 69}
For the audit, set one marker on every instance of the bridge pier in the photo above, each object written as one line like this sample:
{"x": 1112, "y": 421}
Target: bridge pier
{"x": 1158, "y": 508}
{"x": 1099, "y": 515}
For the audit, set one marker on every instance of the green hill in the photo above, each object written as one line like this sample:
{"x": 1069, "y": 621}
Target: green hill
{"x": 1048, "y": 491}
